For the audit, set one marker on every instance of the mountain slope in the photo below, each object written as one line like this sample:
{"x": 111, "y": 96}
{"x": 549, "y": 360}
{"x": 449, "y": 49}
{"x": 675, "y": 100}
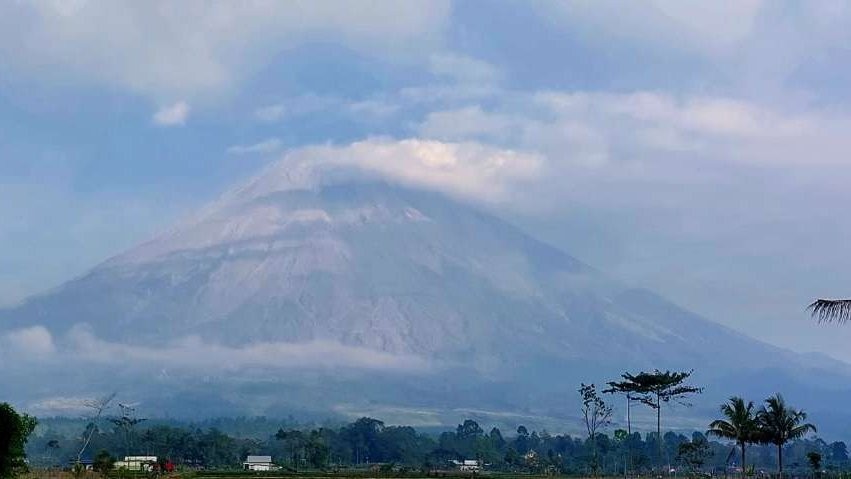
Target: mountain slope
{"x": 289, "y": 260}
{"x": 369, "y": 265}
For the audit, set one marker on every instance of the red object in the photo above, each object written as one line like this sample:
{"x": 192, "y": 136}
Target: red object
{"x": 169, "y": 466}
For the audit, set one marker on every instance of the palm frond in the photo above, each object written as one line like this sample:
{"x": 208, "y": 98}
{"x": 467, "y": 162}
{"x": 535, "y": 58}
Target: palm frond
{"x": 801, "y": 431}
{"x": 723, "y": 429}
{"x": 830, "y": 310}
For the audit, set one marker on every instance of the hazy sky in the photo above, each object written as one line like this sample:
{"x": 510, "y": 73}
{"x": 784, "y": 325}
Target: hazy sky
{"x": 697, "y": 149}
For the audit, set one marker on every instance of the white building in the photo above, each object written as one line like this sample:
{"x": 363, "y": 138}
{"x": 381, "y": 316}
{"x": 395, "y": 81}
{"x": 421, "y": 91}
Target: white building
{"x": 258, "y": 463}
{"x": 468, "y": 465}
{"x": 137, "y": 463}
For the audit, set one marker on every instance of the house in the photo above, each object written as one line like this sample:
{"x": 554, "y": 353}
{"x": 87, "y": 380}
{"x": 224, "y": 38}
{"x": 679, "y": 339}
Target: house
{"x": 468, "y": 465}
{"x": 258, "y": 463}
{"x": 86, "y": 463}
{"x": 137, "y": 463}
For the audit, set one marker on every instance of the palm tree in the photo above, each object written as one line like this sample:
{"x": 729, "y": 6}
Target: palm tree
{"x": 830, "y": 310}
{"x": 740, "y": 424}
{"x": 779, "y": 424}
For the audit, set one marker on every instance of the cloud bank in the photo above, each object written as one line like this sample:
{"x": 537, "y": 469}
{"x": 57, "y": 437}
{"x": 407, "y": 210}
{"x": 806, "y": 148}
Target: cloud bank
{"x": 467, "y": 169}
{"x": 161, "y": 49}
{"x": 82, "y": 348}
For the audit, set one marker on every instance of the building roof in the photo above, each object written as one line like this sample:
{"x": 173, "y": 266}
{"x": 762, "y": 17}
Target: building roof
{"x": 258, "y": 460}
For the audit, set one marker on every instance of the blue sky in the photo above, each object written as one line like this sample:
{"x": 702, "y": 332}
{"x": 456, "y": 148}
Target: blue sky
{"x": 697, "y": 149}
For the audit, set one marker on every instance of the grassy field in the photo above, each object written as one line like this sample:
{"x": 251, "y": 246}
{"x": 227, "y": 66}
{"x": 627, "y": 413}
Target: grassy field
{"x": 54, "y": 474}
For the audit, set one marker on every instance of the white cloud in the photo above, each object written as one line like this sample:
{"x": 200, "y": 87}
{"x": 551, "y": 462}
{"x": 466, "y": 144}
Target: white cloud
{"x": 589, "y": 128}
{"x": 264, "y": 147}
{"x": 466, "y": 169}
{"x": 173, "y": 115}
{"x": 35, "y": 341}
{"x": 80, "y": 347}
{"x": 165, "y": 49}
{"x": 192, "y": 353}
{"x": 562, "y": 141}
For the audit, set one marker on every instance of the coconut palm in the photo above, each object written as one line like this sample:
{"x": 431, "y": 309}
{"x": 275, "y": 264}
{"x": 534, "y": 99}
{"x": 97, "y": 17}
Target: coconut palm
{"x": 779, "y": 424}
{"x": 830, "y": 310}
{"x": 740, "y": 424}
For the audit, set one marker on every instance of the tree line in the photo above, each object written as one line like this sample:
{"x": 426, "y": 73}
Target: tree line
{"x": 368, "y": 441}
{"x": 775, "y": 423}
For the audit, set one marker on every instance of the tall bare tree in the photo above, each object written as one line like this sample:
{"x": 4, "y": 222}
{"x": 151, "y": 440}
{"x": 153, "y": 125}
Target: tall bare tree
{"x": 630, "y": 390}
{"x": 97, "y": 408}
{"x": 597, "y": 415}
{"x": 660, "y": 387}
{"x": 127, "y": 422}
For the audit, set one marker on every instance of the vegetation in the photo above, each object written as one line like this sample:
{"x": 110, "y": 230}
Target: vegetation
{"x": 597, "y": 415}
{"x": 694, "y": 454}
{"x": 739, "y": 425}
{"x": 814, "y": 459}
{"x": 775, "y": 423}
{"x": 654, "y": 389}
{"x": 97, "y": 406}
{"x": 830, "y": 310}
{"x": 774, "y": 432}
{"x": 629, "y": 389}
{"x": 103, "y": 462}
{"x": 779, "y": 424}
{"x": 368, "y": 444}
{"x": 126, "y": 422}
{"x": 15, "y": 430}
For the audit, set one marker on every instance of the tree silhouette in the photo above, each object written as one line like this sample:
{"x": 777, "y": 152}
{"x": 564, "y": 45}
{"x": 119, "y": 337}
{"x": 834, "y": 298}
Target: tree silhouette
{"x": 779, "y": 424}
{"x": 655, "y": 388}
{"x": 597, "y": 414}
{"x": 127, "y": 422}
{"x": 740, "y": 425}
{"x": 630, "y": 390}
{"x": 694, "y": 454}
{"x": 97, "y": 406}
{"x": 814, "y": 458}
{"x": 15, "y": 429}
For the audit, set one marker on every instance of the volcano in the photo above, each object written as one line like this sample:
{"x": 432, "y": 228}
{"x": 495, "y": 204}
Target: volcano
{"x": 395, "y": 295}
